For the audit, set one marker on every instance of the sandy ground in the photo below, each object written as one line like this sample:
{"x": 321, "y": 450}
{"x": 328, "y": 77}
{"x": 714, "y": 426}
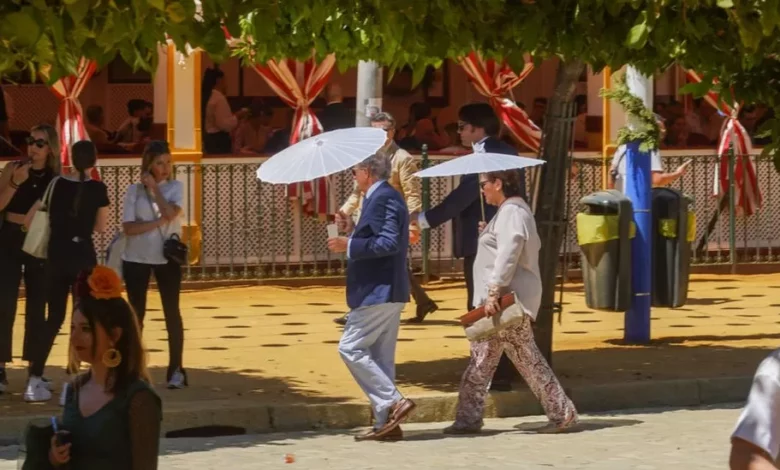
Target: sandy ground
{"x": 278, "y": 345}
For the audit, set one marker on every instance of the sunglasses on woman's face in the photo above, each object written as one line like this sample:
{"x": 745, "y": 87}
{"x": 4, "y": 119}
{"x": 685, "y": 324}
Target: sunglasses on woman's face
{"x": 40, "y": 143}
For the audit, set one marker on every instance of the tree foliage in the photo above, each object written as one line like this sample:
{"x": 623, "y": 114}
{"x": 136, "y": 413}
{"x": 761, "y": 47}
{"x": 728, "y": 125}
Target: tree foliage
{"x": 645, "y": 128}
{"x": 736, "y": 41}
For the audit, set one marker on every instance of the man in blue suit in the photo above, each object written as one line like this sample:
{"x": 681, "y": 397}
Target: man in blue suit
{"x": 377, "y": 290}
{"x": 478, "y": 127}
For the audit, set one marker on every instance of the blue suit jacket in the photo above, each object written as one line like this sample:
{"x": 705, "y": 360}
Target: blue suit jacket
{"x": 376, "y": 269}
{"x": 462, "y": 206}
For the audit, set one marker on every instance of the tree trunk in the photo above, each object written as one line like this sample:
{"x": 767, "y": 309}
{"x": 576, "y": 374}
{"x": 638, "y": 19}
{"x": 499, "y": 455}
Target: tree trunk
{"x": 551, "y": 199}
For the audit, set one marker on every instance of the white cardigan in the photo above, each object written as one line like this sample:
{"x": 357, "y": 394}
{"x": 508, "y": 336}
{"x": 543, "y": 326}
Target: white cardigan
{"x": 508, "y": 256}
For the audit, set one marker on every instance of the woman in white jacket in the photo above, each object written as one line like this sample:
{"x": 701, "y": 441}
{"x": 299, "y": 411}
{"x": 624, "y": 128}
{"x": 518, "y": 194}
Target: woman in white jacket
{"x": 508, "y": 261}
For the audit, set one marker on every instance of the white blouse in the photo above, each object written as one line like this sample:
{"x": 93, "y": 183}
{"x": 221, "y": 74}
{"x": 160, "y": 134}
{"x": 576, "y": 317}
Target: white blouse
{"x": 219, "y": 116}
{"x": 759, "y": 423}
{"x": 147, "y": 247}
{"x": 508, "y": 256}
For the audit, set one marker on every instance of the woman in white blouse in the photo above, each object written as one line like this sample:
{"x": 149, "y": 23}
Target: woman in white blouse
{"x": 218, "y": 119}
{"x": 152, "y": 214}
{"x": 508, "y": 261}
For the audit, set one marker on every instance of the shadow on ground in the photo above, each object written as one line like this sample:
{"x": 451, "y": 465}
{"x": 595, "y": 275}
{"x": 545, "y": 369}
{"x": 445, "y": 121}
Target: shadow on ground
{"x": 216, "y": 383}
{"x": 608, "y": 365}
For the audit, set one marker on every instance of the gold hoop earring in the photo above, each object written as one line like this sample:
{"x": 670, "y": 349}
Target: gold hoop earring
{"x": 112, "y": 358}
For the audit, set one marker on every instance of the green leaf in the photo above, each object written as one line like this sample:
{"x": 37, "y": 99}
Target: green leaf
{"x": 158, "y": 4}
{"x": 637, "y": 37}
{"x": 78, "y": 10}
{"x": 176, "y": 12}
{"x": 726, "y": 3}
{"x": 21, "y": 28}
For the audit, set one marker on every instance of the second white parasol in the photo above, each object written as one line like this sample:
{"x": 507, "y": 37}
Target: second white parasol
{"x": 477, "y": 163}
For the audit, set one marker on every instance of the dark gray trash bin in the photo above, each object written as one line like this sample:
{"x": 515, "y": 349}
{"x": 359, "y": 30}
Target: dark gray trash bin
{"x": 674, "y": 229}
{"x": 604, "y": 231}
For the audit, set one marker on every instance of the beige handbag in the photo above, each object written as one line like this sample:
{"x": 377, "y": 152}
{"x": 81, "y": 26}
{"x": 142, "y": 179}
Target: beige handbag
{"x": 36, "y": 242}
{"x": 478, "y": 326}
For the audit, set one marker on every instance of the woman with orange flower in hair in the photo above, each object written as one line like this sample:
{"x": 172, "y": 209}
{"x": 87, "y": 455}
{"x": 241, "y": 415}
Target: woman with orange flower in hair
{"x": 112, "y": 416}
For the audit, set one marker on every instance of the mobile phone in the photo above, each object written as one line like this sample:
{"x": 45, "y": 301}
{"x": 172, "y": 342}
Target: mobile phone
{"x": 62, "y": 436}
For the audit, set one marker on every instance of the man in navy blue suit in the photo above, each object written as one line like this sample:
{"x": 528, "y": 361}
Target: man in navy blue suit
{"x": 377, "y": 290}
{"x": 478, "y": 127}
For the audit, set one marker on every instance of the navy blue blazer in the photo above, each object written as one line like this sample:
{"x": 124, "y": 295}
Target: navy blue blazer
{"x": 462, "y": 206}
{"x": 376, "y": 266}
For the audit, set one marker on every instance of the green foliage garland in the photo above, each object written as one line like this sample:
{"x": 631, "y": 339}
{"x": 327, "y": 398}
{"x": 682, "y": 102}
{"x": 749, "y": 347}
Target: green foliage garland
{"x": 645, "y": 126}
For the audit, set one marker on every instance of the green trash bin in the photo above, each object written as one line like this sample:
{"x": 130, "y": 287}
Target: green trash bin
{"x": 604, "y": 231}
{"x": 674, "y": 229}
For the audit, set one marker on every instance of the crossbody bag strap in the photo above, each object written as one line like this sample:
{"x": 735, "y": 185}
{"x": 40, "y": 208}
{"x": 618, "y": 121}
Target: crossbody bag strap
{"x": 151, "y": 206}
{"x": 46, "y": 201}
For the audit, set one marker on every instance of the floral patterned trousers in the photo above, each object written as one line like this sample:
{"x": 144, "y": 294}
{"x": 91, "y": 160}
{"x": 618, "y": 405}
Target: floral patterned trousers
{"x": 518, "y": 343}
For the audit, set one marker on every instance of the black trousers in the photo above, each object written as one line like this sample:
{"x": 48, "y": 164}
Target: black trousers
{"x": 61, "y": 275}
{"x": 168, "y": 278}
{"x": 15, "y": 264}
{"x": 506, "y": 371}
{"x": 418, "y": 293}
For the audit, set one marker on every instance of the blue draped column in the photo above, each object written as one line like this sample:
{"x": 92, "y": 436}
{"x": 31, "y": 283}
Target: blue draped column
{"x": 638, "y": 188}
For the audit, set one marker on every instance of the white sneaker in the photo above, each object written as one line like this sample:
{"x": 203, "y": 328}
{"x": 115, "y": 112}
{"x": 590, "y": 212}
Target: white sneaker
{"x": 36, "y": 391}
{"x": 178, "y": 380}
{"x": 64, "y": 393}
{"x": 47, "y": 383}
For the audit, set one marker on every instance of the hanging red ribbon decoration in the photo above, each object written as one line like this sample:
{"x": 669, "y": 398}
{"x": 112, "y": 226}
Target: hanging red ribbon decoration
{"x": 747, "y": 194}
{"x": 70, "y": 116}
{"x": 281, "y": 77}
{"x": 494, "y": 81}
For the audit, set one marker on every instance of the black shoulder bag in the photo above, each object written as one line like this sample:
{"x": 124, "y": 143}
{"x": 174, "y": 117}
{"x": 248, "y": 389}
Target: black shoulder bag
{"x": 173, "y": 249}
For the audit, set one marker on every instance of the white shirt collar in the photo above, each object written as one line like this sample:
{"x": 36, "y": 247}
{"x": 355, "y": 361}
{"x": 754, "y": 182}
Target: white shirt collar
{"x": 373, "y": 188}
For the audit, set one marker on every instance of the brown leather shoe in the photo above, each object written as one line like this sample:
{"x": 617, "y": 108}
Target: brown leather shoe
{"x": 399, "y": 412}
{"x": 393, "y": 435}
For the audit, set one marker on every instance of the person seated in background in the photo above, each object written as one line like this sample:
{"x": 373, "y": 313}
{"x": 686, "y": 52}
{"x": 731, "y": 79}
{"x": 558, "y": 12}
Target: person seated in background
{"x": 421, "y": 129}
{"x": 455, "y": 148}
{"x": 580, "y": 122}
{"x": 135, "y": 129}
{"x": 254, "y": 132}
{"x": 538, "y": 111}
{"x": 95, "y": 126}
{"x": 680, "y": 136}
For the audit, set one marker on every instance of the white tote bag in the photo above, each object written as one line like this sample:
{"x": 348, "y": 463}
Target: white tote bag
{"x": 36, "y": 243}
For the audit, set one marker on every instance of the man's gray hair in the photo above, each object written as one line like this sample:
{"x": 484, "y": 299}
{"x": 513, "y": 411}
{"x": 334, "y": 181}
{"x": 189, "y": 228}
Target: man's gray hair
{"x": 384, "y": 117}
{"x": 378, "y": 165}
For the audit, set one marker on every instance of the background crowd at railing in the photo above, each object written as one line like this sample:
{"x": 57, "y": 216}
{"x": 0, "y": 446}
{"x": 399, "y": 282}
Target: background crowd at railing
{"x": 240, "y": 228}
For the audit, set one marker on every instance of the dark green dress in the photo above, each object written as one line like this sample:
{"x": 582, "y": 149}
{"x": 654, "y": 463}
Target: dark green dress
{"x": 123, "y": 435}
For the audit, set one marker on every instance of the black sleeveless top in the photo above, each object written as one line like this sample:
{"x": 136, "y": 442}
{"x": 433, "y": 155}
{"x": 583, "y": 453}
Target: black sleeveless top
{"x": 30, "y": 191}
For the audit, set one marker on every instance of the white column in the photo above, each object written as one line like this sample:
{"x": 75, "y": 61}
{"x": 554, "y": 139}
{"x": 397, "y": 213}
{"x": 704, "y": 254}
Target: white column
{"x": 369, "y": 92}
{"x": 640, "y": 85}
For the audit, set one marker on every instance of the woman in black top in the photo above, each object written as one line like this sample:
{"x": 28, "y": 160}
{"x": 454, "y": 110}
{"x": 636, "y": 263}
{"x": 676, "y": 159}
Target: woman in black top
{"x": 79, "y": 207}
{"x": 21, "y": 185}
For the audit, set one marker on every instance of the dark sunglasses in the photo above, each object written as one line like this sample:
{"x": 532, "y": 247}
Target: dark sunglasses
{"x": 40, "y": 143}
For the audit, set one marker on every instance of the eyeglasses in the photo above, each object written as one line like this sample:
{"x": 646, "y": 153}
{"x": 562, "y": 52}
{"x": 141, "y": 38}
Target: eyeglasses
{"x": 40, "y": 143}
{"x": 482, "y": 184}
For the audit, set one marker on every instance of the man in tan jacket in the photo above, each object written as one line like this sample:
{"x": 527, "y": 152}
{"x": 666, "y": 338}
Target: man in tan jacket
{"x": 403, "y": 180}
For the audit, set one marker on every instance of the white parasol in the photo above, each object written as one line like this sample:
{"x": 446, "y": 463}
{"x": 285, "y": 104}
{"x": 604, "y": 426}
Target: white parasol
{"x": 322, "y": 155}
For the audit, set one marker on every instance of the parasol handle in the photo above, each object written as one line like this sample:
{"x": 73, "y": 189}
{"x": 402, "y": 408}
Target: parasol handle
{"x": 482, "y": 204}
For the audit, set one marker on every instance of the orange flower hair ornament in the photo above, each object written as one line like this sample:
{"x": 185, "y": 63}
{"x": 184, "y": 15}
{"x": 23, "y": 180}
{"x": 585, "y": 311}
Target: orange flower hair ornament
{"x": 104, "y": 283}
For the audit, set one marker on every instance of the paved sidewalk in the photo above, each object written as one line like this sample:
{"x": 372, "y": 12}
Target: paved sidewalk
{"x": 647, "y": 440}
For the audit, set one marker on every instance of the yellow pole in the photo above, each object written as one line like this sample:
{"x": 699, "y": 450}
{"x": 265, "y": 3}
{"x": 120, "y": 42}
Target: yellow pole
{"x": 606, "y": 136}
